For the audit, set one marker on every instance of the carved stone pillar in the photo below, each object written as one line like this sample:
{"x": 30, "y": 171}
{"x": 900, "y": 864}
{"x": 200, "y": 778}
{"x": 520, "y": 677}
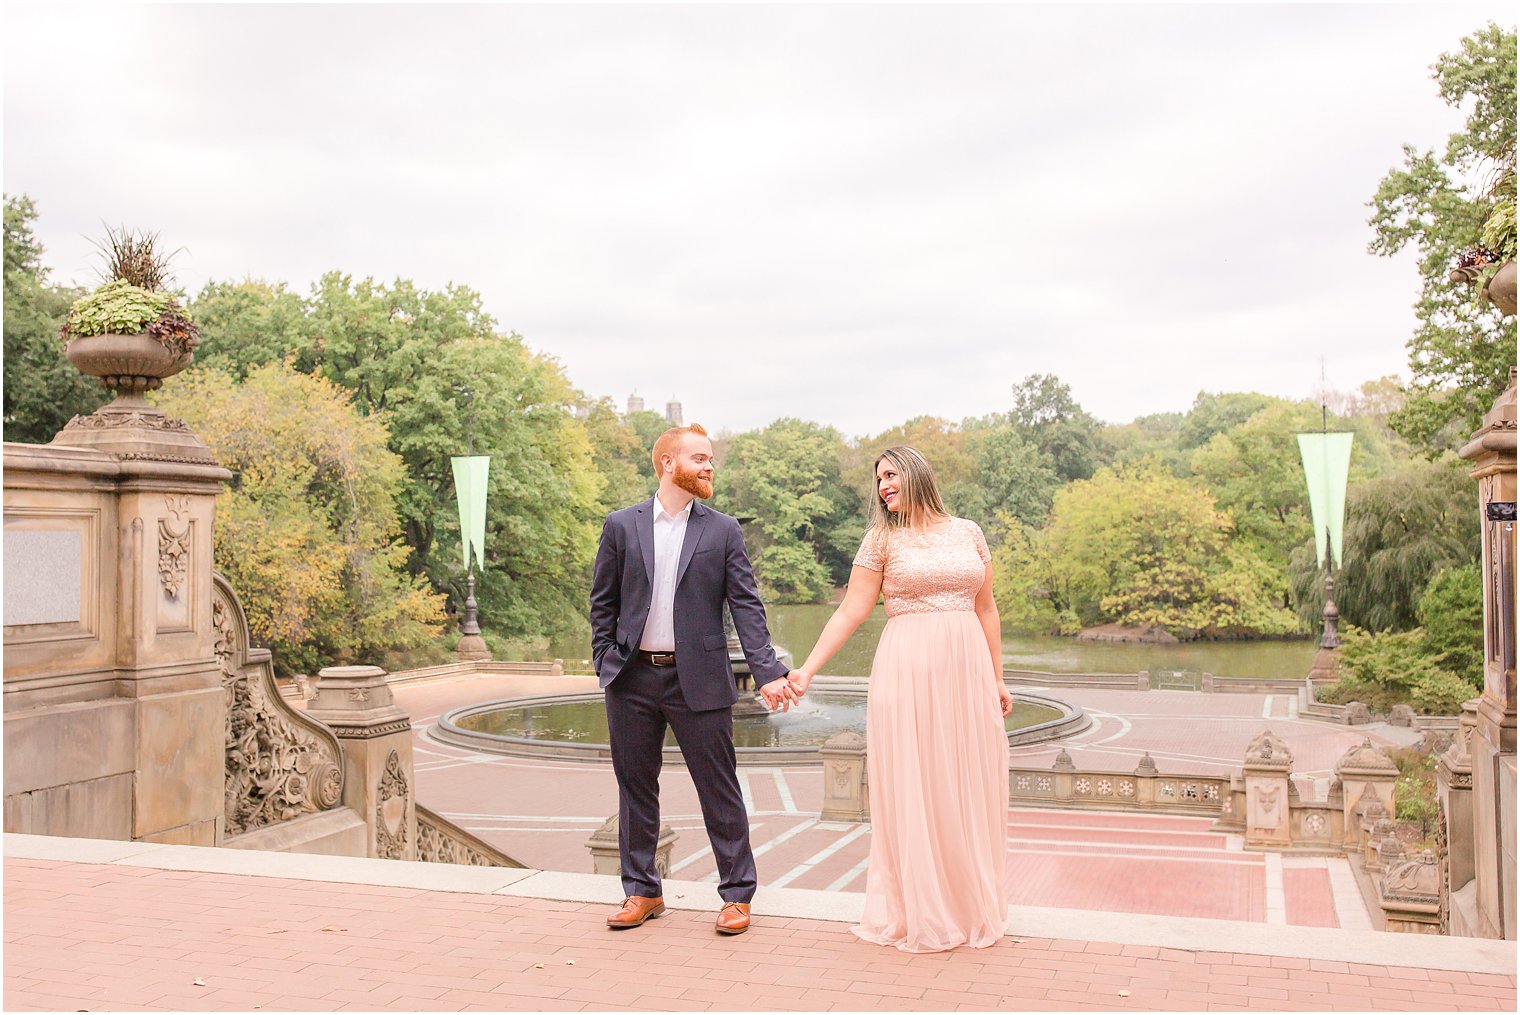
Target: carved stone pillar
{"x": 607, "y": 859}
{"x": 376, "y": 736}
{"x": 1365, "y": 774}
{"x": 114, "y": 708}
{"x": 1492, "y": 452}
{"x": 846, "y": 797}
{"x": 1268, "y": 772}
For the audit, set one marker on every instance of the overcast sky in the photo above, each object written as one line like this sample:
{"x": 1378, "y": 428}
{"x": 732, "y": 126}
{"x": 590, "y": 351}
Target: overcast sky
{"x": 852, "y": 214}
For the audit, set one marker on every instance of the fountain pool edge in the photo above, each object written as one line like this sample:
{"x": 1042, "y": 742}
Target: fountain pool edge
{"x": 448, "y": 731}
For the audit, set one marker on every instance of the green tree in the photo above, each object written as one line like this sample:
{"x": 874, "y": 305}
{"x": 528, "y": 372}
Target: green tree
{"x": 1401, "y": 529}
{"x": 1451, "y": 613}
{"x": 1009, "y": 479}
{"x": 307, "y": 531}
{"x": 432, "y": 366}
{"x": 1461, "y": 350}
{"x": 1047, "y": 416}
{"x": 247, "y": 324}
{"x": 43, "y": 390}
{"x": 786, "y": 478}
{"x": 1137, "y": 545}
{"x": 940, "y": 441}
{"x": 1215, "y": 413}
{"x": 1155, "y": 436}
{"x": 1255, "y": 471}
{"x": 620, "y": 457}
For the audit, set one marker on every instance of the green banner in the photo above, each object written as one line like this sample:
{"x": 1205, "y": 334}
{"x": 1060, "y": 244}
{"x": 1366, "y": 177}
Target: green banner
{"x": 470, "y": 484}
{"x": 1327, "y": 463}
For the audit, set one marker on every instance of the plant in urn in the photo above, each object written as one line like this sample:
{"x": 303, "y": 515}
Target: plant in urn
{"x": 131, "y": 332}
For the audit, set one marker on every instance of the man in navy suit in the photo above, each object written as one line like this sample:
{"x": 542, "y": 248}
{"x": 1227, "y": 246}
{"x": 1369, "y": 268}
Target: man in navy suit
{"x": 663, "y": 571}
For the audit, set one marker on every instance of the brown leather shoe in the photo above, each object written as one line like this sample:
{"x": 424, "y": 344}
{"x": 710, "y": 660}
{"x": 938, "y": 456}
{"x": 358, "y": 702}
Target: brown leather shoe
{"x": 733, "y": 918}
{"x": 636, "y": 909}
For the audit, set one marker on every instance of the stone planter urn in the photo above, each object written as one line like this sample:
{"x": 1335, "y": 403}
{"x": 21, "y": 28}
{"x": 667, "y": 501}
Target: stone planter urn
{"x": 128, "y": 426}
{"x": 126, "y": 364}
{"x": 1501, "y": 289}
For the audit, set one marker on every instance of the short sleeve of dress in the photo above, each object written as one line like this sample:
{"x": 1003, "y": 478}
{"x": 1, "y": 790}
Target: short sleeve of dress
{"x": 869, "y": 555}
{"x": 980, "y": 541}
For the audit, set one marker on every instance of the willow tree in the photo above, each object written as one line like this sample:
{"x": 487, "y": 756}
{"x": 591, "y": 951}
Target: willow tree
{"x": 1401, "y": 531}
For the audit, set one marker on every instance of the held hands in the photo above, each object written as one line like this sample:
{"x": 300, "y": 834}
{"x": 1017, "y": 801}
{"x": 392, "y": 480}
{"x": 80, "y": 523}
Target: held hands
{"x": 786, "y": 691}
{"x": 800, "y": 679}
{"x": 779, "y": 693}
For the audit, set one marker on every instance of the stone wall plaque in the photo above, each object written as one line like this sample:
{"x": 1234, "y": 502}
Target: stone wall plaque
{"x": 43, "y": 576}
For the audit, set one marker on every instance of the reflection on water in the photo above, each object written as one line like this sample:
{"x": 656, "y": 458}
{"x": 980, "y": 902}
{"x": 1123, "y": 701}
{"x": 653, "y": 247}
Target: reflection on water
{"x": 820, "y": 715}
{"x": 797, "y": 627}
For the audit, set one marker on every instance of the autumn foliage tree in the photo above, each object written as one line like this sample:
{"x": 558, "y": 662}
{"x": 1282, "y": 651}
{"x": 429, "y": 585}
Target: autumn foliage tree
{"x": 1136, "y": 545}
{"x": 307, "y": 530}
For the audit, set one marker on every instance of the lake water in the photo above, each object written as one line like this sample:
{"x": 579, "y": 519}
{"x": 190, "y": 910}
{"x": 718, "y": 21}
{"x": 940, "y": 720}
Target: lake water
{"x": 797, "y": 628}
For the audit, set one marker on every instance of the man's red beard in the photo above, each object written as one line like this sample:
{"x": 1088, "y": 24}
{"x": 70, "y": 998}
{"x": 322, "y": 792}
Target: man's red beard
{"x": 692, "y": 482}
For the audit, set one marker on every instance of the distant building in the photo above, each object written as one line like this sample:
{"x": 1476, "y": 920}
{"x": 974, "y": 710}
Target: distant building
{"x": 635, "y": 404}
{"x": 673, "y": 414}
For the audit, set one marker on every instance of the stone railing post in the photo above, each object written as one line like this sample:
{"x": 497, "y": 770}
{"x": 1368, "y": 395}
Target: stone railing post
{"x": 375, "y": 733}
{"x": 1409, "y": 896}
{"x": 846, "y": 797}
{"x": 1065, "y": 777}
{"x": 606, "y": 858}
{"x": 1454, "y": 794}
{"x": 1492, "y": 454}
{"x": 1365, "y": 773}
{"x": 1268, "y": 772}
{"x": 1145, "y": 781}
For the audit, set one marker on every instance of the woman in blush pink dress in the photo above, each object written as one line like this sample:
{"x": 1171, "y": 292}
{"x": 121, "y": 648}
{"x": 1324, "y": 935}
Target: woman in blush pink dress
{"x": 937, "y": 762}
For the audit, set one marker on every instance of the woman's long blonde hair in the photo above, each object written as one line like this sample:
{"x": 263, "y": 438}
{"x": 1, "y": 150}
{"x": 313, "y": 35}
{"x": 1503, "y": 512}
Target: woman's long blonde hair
{"x": 918, "y": 499}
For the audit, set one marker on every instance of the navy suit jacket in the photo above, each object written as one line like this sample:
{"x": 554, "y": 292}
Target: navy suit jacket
{"x": 713, "y": 569}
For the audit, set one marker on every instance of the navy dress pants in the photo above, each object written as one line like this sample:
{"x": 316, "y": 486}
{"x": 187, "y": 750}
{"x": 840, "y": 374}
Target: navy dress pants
{"x": 641, "y": 703}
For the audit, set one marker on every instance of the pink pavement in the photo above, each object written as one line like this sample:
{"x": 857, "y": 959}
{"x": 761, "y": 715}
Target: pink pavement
{"x": 542, "y": 812}
{"x": 117, "y": 937}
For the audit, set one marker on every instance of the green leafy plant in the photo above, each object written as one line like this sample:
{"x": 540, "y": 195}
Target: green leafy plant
{"x": 116, "y": 307}
{"x": 132, "y": 299}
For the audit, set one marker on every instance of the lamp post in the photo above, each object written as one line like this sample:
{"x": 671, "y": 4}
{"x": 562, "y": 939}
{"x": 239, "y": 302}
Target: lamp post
{"x": 1327, "y": 463}
{"x": 470, "y": 477}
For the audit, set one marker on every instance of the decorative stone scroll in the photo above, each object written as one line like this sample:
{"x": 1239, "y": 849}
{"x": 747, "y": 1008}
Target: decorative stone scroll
{"x": 280, "y": 764}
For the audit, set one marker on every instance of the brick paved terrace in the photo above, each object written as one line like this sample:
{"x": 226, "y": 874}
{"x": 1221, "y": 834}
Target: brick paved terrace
{"x": 101, "y": 925}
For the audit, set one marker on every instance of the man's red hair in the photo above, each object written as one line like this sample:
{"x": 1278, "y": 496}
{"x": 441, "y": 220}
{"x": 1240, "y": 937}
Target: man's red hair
{"x": 670, "y": 440}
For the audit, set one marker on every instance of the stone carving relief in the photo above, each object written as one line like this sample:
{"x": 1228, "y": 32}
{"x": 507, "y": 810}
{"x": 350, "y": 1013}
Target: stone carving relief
{"x": 390, "y": 810}
{"x": 174, "y": 545}
{"x": 1417, "y": 880}
{"x": 116, "y": 420}
{"x": 1267, "y": 802}
{"x": 277, "y": 768}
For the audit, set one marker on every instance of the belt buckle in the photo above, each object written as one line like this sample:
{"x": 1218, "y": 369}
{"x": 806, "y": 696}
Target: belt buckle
{"x": 661, "y": 658}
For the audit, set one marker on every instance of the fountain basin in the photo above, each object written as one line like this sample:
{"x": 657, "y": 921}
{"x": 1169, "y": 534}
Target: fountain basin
{"x": 573, "y": 727}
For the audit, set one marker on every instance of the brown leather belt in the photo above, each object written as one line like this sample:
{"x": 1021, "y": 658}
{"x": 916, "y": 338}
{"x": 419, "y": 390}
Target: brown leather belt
{"x": 658, "y": 658}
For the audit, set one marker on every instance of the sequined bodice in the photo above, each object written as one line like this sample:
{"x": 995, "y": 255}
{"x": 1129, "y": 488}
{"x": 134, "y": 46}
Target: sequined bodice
{"x": 929, "y": 572}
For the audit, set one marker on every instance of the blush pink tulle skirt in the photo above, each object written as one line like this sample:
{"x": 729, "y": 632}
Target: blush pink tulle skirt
{"x": 937, "y": 776}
